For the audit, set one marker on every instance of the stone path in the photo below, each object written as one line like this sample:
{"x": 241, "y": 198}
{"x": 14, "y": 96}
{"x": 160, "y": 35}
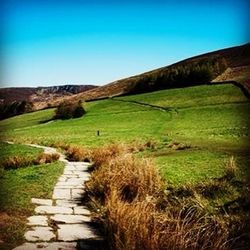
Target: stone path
{"x": 60, "y": 222}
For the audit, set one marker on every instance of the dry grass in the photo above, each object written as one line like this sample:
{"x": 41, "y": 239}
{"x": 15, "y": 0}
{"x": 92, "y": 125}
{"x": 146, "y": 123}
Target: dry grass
{"x": 11, "y": 229}
{"x": 46, "y": 158}
{"x": 231, "y": 168}
{"x": 130, "y": 194}
{"x": 76, "y": 153}
{"x": 15, "y": 162}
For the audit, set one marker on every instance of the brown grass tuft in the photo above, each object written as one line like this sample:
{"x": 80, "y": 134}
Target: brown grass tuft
{"x": 76, "y": 153}
{"x": 130, "y": 191}
{"x": 46, "y": 158}
{"x": 231, "y": 168}
{"x": 15, "y": 162}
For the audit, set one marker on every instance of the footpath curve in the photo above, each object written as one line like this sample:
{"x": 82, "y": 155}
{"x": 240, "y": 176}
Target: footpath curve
{"x": 62, "y": 222}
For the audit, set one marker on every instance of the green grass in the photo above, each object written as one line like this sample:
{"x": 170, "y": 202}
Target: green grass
{"x": 213, "y": 118}
{"x": 191, "y": 96}
{"x": 181, "y": 167}
{"x": 8, "y": 150}
{"x": 17, "y": 187}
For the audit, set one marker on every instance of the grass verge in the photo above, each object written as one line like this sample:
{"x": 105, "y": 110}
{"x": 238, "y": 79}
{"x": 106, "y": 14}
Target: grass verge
{"x": 17, "y": 187}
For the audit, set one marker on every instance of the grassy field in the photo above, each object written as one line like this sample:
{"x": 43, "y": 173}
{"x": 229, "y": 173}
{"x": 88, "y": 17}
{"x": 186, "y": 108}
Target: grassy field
{"x": 210, "y": 122}
{"x": 17, "y": 187}
{"x": 212, "y": 119}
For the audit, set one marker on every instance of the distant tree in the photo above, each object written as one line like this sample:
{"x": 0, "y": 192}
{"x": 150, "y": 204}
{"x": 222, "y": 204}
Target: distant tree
{"x": 68, "y": 110}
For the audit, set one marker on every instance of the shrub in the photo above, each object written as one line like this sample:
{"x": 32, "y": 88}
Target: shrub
{"x": 68, "y": 110}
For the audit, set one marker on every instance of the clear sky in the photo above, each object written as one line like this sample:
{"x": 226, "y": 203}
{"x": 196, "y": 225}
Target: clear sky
{"x": 49, "y": 42}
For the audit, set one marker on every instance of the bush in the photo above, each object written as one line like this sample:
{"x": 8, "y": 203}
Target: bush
{"x": 68, "y": 110}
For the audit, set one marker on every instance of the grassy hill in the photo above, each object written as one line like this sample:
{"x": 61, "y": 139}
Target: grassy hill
{"x": 197, "y": 70}
{"x": 208, "y": 118}
{"x": 191, "y": 134}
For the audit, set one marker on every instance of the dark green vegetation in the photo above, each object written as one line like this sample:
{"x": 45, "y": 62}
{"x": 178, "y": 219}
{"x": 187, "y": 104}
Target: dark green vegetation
{"x": 17, "y": 187}
{"x": 69, "y": 110}
{"x": 190, "y": 133}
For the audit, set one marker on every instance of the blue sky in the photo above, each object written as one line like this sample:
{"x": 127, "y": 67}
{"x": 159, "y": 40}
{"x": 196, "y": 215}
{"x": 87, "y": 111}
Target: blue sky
{"x": 95, "y": 42}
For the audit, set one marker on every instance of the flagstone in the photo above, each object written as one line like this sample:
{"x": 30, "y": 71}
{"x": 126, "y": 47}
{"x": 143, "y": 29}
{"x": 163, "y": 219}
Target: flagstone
{"x": 46, "y": 202}
{"x": 53, "y": 210}
{"x": 69, "y": 219}
{"x": 38, "y": 220}
{"x": 72, "y": 232}
{"x": 39, "y": 234}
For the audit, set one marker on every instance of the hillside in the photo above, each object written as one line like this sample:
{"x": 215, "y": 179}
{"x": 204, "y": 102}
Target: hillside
{"x": 15, "y": 101}
{"x": 213, "y": 63}
{"x": 231, "y": 64}
{"x": 9, "y": 95}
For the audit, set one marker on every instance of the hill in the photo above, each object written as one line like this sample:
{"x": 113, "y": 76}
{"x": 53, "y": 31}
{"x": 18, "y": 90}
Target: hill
{"x": 226, "y": 65}
{"x": 15, "y": 101}
{"x": 9, "y": 95}
{"x": 197, "y": 70}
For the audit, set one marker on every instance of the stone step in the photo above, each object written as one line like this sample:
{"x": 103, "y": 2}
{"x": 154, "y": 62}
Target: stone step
{"x": 53, "y": 210}
{"x": 70, "y": 219}
{"x": 38, "y": 220}
{"x": 46, "y": 202}
{"x": 73, "y": 232}
{"x": 40, "y": 234}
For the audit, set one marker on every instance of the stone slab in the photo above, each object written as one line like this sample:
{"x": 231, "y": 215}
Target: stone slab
{"x": 77, "y": 193}
{"x": 48, "y": 246}
{"x": 66, "y": 203}
{"x": 72, "y": 232}
{"x": 45, "y": 202}
{"x": 65, "y": 184}
{"x": 69, "y": 168}
{"x": 61, "y": 193}
{"x": 62, "y": 178}
{"x": 81, "y": 210}
{"x": 70, "y": 219}
{"x": 37, "y": 220}
{"x": 39, "y": 234}
{"x": 53, "y": 210}
{"x": 68, "y": 172}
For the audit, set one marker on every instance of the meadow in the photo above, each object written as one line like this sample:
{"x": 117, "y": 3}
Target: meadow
{"x": 212, "y": 120}
{"x": 190, "y": 134}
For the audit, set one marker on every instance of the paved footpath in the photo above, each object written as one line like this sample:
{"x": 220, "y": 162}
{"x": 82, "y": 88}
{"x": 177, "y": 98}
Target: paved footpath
{"x": 60, "y": 222}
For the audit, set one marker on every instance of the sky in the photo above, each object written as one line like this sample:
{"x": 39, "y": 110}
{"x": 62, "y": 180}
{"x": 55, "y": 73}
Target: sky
{"x": 49, "y": 42}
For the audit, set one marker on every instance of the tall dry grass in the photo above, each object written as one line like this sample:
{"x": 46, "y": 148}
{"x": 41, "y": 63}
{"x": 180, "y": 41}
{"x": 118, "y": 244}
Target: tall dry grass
{"x": 46, "y": 158}
{"x": 77, "y": 153}
{"x": 14, "y": 162}
{"x": 130, "y": 194}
